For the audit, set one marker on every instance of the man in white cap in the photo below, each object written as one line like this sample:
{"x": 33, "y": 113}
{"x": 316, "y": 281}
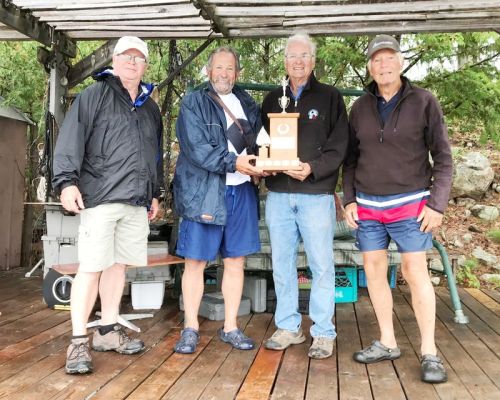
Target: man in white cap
{"x": 108, "y": 168}
{"x": 393, "y": 192}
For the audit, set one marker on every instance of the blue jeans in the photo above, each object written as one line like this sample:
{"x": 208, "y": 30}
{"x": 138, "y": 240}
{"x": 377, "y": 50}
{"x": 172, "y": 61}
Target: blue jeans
{"x": 290, "y": 216}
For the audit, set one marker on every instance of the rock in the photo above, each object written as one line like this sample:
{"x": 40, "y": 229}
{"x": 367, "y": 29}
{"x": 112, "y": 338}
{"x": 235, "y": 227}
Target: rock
{"x": 494, "y": 186}
{"x": 461, "y": 260}
{"x": 435, "y": 280}
{"x": 458, "y": 243}
{"x": 488, "y": 213}
{"x": 436, "y": 265}
{"x": 490, "y": 277}
{"x": 472, "y": 176}
{"x": 485, "y": 257}
{"x": 497, "y": 189}
{"x": 467, "y": 213}
{"x": 465, "y": 202}
{"x": 472, "y": 228}
{"x": 451, "y": 202}
{"x": 467, "y": 238}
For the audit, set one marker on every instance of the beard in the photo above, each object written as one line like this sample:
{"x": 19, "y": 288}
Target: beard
{"x": 223, "y": 86}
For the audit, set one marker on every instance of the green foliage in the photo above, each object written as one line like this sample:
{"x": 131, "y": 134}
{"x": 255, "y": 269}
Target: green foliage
{"x": 465, "y": 274}
{"x": 494, "y": 235}
{"x": 460, "y": 68}
{"x": 23, "y": 79}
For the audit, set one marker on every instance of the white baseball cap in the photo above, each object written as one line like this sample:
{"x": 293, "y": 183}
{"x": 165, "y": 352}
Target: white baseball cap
{"x": 131, "y": 42}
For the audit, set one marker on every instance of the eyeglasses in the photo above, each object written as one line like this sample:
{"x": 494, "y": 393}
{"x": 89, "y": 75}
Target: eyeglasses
{"x": 135, "y": 59}
{"x": 294, "y": 57}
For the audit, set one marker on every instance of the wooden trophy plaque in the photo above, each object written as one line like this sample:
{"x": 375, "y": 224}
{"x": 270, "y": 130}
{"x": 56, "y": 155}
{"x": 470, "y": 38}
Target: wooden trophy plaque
{"x": 281, "y": 155}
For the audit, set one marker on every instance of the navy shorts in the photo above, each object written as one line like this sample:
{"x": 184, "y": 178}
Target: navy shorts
{"x": 239, "y": 237}
{"x": 382, "y": 218}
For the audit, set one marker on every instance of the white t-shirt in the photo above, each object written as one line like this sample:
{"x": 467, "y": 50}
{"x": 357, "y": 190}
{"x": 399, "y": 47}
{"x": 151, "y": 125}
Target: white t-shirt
{"x": 232, "y": 102}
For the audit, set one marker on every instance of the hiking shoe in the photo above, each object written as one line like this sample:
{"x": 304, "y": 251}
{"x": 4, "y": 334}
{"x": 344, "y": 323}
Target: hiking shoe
{"x": 432, "y": 369}
{"x": 322, "y": 347}
{"x": 281, "y": 339}
{"x": 78, "y": 359}
{"x": 376, "y": 352}
{"x": 237, "y": 339}
{"x": 188, "y": 341}
{"x": 116, "y": 340}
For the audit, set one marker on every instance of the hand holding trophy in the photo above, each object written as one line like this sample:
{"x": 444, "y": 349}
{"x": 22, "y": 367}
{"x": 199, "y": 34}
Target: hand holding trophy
{"x": 281, "y": 155}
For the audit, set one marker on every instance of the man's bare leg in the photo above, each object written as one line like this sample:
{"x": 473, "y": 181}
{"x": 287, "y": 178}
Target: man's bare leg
{"x": 375, "y": 265}
{"x": 111, "y": 287}
{"x": 423, "y": 299}
{"x": 232, "y": 289}
{"x": 83, "y": 296}
{"x": 192, "y": 291}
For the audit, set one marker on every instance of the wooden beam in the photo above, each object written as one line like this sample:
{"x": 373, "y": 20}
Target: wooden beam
{"x": 208, "y": 12}
{"x": 372, "y": 28}
{"x": 100, "y": 35}
{"x": 84, "y": 68}
{"x": 27, "y": 25}
{"x": 357, "y": 9}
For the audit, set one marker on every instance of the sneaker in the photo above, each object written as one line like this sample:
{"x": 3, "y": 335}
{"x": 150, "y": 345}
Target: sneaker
{"x": 376, "y": 352}
{"x": 432, "y": 369}
{"x": 116, "y": 340}
{"x": 188, "y": 341}
{"x": 322, "y": 347}
{"x": 237, "y": 339}
{"x": 78, "y": 359}
{"x": 281, "y": 339}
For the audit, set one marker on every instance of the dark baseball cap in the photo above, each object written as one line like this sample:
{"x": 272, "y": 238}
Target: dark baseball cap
{"x": 382, "y": 42}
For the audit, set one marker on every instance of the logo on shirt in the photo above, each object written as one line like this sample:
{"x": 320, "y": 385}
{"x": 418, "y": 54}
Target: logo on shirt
{"x": 313, "y": 113}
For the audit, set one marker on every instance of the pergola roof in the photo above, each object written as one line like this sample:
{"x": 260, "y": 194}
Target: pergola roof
{"x": 105, "y": 19}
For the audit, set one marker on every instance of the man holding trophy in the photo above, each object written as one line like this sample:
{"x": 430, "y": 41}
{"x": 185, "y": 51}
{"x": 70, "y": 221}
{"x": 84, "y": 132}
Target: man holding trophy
{"x": 300, "y": 201}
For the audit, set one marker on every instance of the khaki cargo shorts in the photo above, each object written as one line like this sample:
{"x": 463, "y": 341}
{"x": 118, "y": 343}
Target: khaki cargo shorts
{"x": 112, "y": 233}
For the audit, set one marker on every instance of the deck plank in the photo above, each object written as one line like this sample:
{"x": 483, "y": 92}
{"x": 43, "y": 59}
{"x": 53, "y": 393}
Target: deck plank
{"x": 292, "y": 376}
{"x": 485, "y": 300}
{"x": 226, "y": 383}
{"x": 480, "y": 329}
{"x": 454, "y": 388}
{"x": 107, "y": 365}
{"x": 488, "y": 316}
{"x": 259, "y": 381}
{"x": 470, "y": 342}
{"x": 494, "y": 294}
{"x": 383, "y": 377}
{"x": 35, "y": 339}
{"x": 353, "y": 376}
{"x": 474, "y": 380}
{"x": 194, "y": 380}
{"x": 157, "y": 383}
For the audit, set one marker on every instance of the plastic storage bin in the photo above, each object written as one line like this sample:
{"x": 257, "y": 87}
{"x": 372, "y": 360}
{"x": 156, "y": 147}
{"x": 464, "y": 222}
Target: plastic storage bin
{"x": 147, "y": 295}
{"x": 346, "y": 285}
{"x": 391, "y": 277}
{"x": 212, "y": 306}
{"x": 255, "y": 289}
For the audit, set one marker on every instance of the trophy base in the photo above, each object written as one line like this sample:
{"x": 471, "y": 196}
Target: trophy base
{"x": 270, "y": 164}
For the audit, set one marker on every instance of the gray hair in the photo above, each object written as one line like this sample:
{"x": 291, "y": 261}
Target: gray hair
{"x": 399, "y": 54}
{"x": 301, "y": 37}
{"x": 224, "y": 49}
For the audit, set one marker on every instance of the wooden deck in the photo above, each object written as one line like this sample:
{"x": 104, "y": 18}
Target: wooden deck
{"x": 33, "y": 341}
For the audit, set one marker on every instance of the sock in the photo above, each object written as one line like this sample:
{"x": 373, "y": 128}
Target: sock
{"x": 106, "y": 329}
{"x": 79, "y": 337}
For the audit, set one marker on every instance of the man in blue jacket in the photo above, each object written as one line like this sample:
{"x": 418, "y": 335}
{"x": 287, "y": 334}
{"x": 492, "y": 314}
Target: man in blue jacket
{"x": 108, "y": 168}
{"x": 217, "y": 129}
